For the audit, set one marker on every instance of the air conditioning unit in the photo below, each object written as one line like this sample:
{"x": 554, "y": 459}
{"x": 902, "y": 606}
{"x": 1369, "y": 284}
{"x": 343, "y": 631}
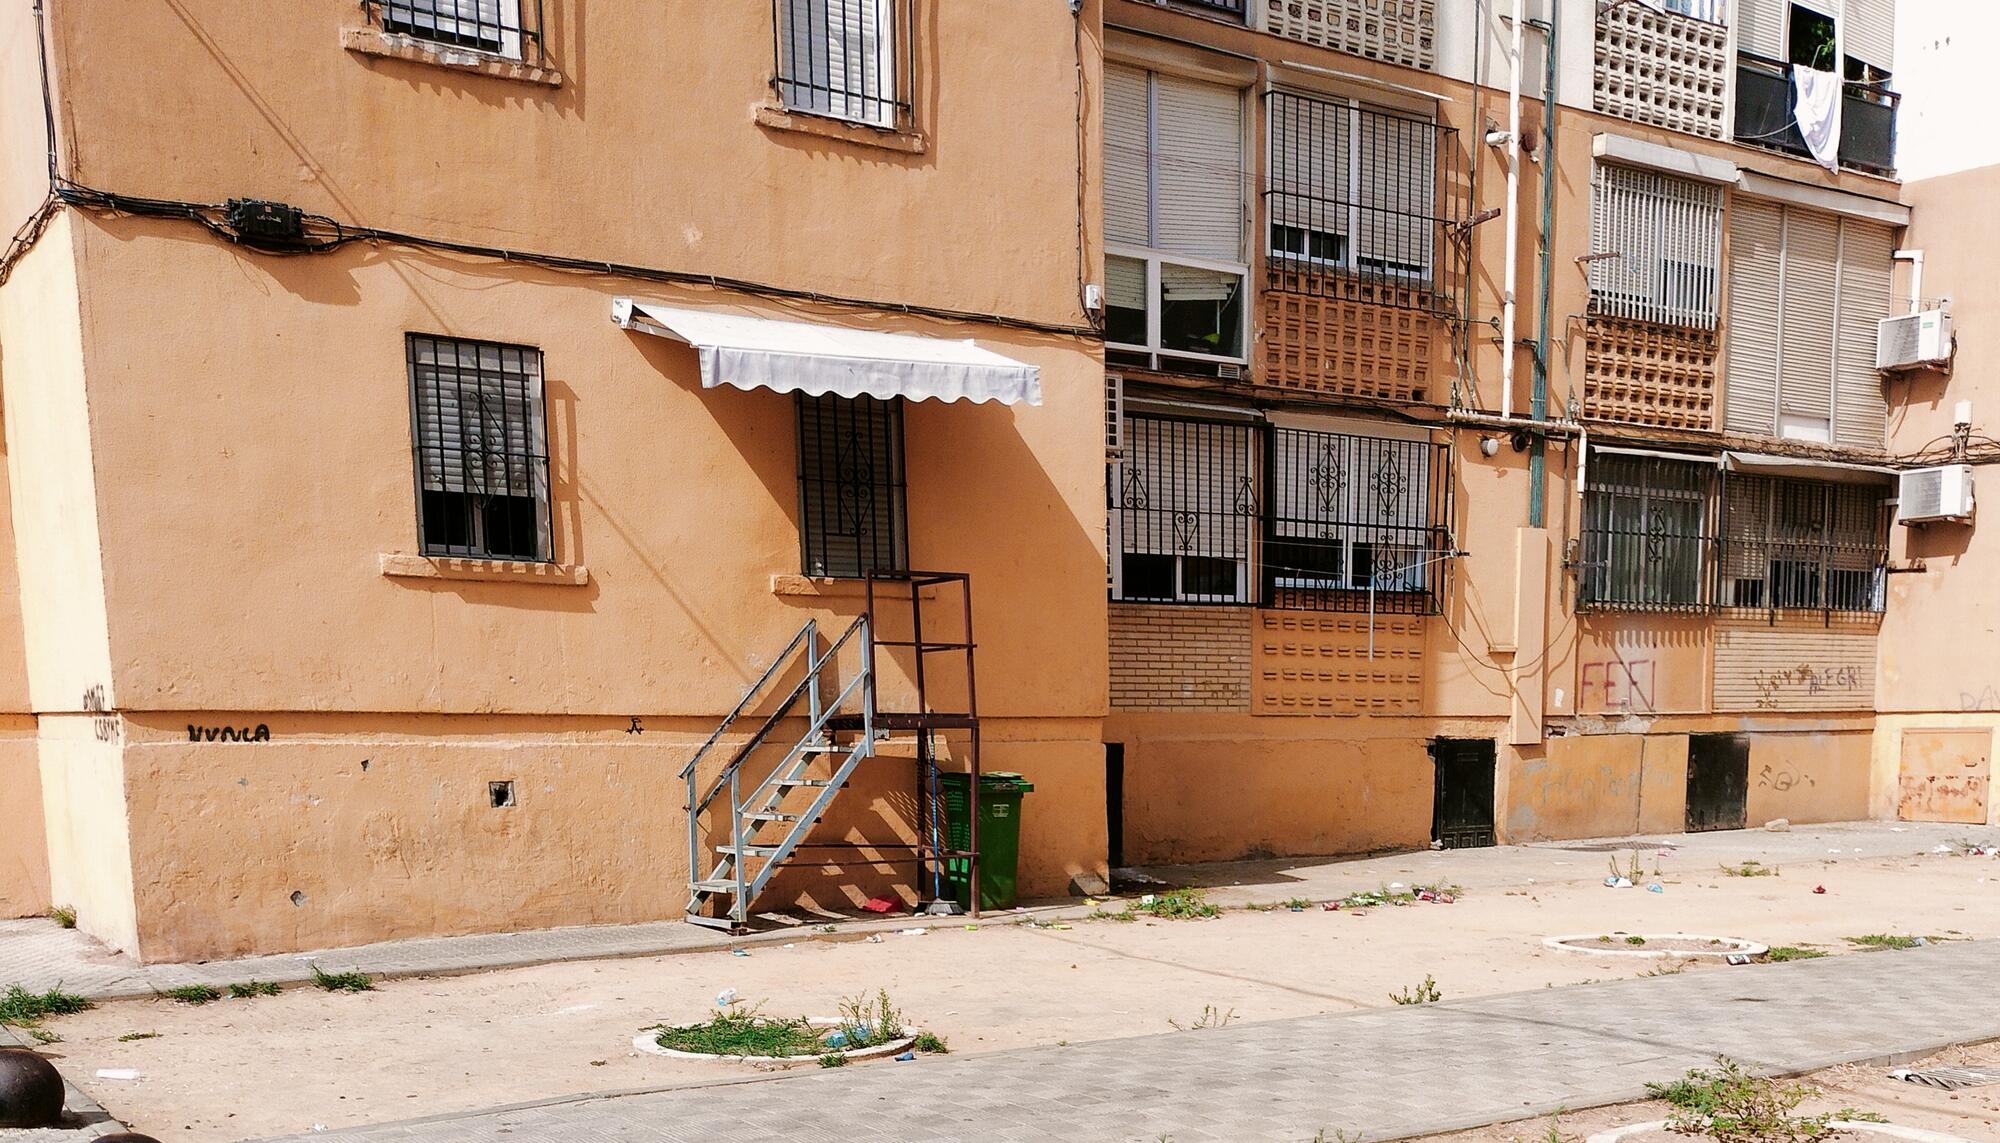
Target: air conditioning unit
{"x": 1929, "y": 494}
{"x": 1913, "y": 341}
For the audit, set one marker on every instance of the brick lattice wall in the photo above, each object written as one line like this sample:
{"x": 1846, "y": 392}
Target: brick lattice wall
{"x": 1661, "y": 68}
{"x": 1644, "y": 374}
{"x": 1331, "y": 345}
{"x": 1172, "y": 657}
{"x": 1398, "y": 31}
{"x": 1317, "y": 663}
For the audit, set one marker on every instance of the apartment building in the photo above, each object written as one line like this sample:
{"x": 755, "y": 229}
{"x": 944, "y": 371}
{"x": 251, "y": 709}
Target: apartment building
{"x": 1448, "y": 507}
{"x": 480, "y": 464}
{"x": 426, "y": 420}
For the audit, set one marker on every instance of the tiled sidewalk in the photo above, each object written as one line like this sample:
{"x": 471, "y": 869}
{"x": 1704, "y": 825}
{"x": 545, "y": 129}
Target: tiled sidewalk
{"x": 1379, "y": 1074}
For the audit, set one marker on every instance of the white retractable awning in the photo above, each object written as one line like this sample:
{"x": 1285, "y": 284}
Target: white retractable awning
{"x": 1807, "y": 468}
{"x": 803, "y": 357}
{"x": 1656, "y": 454}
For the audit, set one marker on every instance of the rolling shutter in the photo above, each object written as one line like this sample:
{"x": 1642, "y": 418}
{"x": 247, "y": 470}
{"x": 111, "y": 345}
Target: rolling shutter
{"x": 1398, "y": 169}
{"x": 1869, "y": 33}
{"x": 1198, "y": 170}
{"x": 1812, "y": 261}
{"x": 1760, "y": 28}
{"x": 1127, "y": 197}
{"x": 1311, "y": 163}
{"x": 479, "y": 417}
{"x": 1756, "y": 259}
{"x": 1183, "y": 486}
{"x": 1667, "y": 235}
{"x": 1866, "y": 267}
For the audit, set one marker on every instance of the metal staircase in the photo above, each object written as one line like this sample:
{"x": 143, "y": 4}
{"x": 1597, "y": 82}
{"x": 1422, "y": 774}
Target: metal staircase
{"x": 769, "y": 821}
{"x": 763, "y": 833}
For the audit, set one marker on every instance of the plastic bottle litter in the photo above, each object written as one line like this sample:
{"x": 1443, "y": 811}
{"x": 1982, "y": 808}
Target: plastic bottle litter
{"x": 906, "y": 1057}
{"x": 1147, "y": 900}
{"x": 912, "y": 932}
{"x": 874, "y": 938}
{"x": 1656, "y": 887}
{"x": 118, "y": 1073}
{"x": 739, "y": 952}
{"x": 726, "y": 997}
{"x": 1617, "y": 883}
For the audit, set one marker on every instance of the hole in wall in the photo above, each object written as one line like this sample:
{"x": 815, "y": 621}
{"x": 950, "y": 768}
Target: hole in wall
{"x": 501, "y": 794}
{"x": 364, "y": 765}
{"x": 298, "y": 897}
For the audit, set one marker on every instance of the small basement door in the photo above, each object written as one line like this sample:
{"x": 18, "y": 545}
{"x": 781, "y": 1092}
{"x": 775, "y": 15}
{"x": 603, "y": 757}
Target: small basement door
{"x": 1718, "y": 790}
{"x": 1462, "y": 814}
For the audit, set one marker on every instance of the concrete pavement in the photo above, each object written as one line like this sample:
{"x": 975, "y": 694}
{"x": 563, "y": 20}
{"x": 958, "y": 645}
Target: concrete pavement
{"x": 1378, "y": 1074}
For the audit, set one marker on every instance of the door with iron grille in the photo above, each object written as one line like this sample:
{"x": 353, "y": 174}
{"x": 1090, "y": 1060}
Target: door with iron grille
{"x": 1718, "y": 787}
{"x": 1462, "y": 815}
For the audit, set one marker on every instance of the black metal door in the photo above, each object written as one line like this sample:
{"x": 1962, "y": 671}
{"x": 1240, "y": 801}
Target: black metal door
{"x": 1718, "y": 781}
{"x": 1462, "y": 815}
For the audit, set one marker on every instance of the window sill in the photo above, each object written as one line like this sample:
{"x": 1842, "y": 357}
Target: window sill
{"x": 395, "y": 46}
{"x": 779, "y": 119}
{"x": 400, "y": 565}
{"x": 794, "y": 585}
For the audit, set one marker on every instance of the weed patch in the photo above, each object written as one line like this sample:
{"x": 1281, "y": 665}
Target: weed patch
{"x": 253, "y": 989}
{"x": 1782, "y": 953}
{"x": 864, "y": 1023}
{"x": 1750, "y": 869}
{"x": 342, "y": 981}
{"x": 744, "y": 1034}
{"x": 1885, "y": 941}
{"x": 64, "y": 915}
{"x": 131, "y": 1036}
{"x": 1425, "y": 993}
{"x": 1211, "y": 1017}
{"x": 930, "y": 1043}
{"x": 193, "y": 994}
{"x": 1729, "y": 1105}
{"x": 25, "y": 1009}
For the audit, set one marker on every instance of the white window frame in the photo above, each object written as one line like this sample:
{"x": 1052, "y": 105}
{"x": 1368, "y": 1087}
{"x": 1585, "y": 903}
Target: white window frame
{"x": 1154, "y": 259}
{"x": 413, "y": 21}
{"x": 886, "y": 95}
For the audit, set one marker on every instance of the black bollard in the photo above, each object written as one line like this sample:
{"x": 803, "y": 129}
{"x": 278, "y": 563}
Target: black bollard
{"x": 31, "y": 1090}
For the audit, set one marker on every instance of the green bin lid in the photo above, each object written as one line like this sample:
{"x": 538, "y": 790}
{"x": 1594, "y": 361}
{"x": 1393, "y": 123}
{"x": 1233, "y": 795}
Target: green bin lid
{"x": 1007, "y": 778}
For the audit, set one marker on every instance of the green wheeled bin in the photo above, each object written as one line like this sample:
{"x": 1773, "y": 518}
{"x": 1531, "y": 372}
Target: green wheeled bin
{"x": 999, "y": 836}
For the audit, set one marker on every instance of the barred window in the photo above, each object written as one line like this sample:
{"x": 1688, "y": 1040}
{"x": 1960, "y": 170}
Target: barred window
{"x": 1655, "y": 246}
{"x": 1351, "y": 187}
{"x": 1646, "y": 538}
{"x": 1184, "y": 509}
{"x": 1212, "y": 512}
{"x": 1352, "y": 514}
{"x": 1803, "y": 544}
{"x": 504, "y": 27}
{"x": 482, "y": 455}
{"x": 848, "y": 59}
{"x": 853, "y": 514}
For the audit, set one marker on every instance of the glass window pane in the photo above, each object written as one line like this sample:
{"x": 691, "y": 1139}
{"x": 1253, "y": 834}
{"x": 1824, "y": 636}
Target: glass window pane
{"x": 1201, "y": 311}
{"x": 1124, "y": 300}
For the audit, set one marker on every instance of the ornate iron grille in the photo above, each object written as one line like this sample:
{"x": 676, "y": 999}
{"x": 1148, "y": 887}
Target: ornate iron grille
{"x": 482, "y": 461}
{"x": 848, "y": 59}
{"x": 1803, "y": 545}
{"x": 1363, "y": 204}
{"x": 1211, "y": 512}
{"x": 853, "y": 515}
{"x": 1647, "y": 540}
{"x": 511, "y": 28}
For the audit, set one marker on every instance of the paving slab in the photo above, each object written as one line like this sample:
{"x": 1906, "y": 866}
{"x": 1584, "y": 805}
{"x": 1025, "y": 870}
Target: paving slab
{"x": 1376, "y": 1074}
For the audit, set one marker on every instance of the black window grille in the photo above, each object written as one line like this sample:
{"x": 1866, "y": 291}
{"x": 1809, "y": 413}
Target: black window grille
{"x": 1226, "y": 7}
{"x": 1803, "y": 545}
{"x": 1214, "y": 512}
{"x": 482, "y": 462}
{"x": 1766, "y": 113}
{"x": 853, "y": 515}
{"x": 1648, "y": 544}
{"x": 849, "y": 59}
{"x": 510, "y": 28}
{"x": 1364, "y": 204}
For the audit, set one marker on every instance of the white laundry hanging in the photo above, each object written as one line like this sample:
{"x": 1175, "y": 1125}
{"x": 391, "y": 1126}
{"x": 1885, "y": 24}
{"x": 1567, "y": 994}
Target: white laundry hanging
{"x": 1817, "y": 109}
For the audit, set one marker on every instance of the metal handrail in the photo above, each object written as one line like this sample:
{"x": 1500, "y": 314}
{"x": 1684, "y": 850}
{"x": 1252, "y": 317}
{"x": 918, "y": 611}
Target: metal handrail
{"x": 809, "y": 682}
{"x": 749, "y": 696}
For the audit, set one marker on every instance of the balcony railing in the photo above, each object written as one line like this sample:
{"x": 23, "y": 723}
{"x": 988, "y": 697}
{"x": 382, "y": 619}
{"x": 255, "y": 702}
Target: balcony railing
{"x": 1765, "y": 116}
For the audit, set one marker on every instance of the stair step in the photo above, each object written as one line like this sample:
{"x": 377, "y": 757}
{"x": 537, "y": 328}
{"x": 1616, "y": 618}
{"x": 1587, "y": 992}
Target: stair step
{"x": 813, "y": 782}
{"x": 770, "y": 816}
{"x": 752, "y": 850}
{"x": 724, "y": 923}
{"x": 720, "y": 886}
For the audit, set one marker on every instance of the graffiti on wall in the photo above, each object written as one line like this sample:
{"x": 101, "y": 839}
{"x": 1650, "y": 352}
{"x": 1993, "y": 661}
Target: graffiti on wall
{"x": 1782, "y": 778}
{"x": 1774, "y": 685}
{"x": 1986, "y": 698}
{"x": 103, "y": 722}
{"x": 1618, "y": 684}
{"x": 1945, "y": 774}
{"x": 258, "y": 733}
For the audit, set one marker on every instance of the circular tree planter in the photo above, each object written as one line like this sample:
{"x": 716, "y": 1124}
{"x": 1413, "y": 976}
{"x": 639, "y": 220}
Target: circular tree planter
{"x": 1656, "y": 1132}
{"x": 1656, "y": 945}
{"x": 649, "y": 1042}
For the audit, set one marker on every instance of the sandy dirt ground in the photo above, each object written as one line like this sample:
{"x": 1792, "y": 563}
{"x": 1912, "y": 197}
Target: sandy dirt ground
{"x": 1970, "y": 1113}
{"x": 430, "y": 1046}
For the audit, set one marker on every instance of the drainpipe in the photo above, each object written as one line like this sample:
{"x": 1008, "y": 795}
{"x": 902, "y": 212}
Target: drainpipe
{"x": 1508, "y": 272}
{"x": 1539, "y": 409}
